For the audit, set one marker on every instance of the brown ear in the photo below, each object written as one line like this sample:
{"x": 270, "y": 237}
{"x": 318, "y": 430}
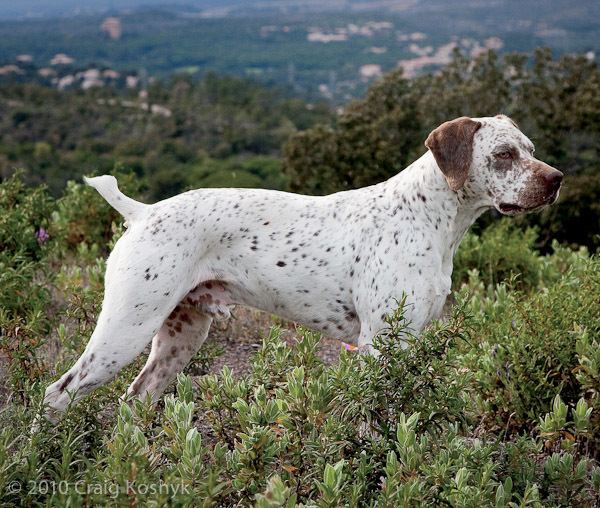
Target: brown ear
{"x": 452, "y": 146}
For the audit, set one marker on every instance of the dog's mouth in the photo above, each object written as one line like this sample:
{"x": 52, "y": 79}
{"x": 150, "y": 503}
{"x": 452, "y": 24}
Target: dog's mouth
{"x": 514, "y": 209}
{"x": 510, "y": 209}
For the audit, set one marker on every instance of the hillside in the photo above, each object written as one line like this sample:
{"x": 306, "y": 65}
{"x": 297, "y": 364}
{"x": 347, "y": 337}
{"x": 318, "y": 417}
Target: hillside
{"x": 332, "y": 51}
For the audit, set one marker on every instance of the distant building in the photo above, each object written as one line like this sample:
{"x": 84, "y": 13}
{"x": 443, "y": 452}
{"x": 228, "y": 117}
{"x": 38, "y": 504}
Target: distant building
{"x": 370, "y": 71}
{"x": 46, "y": 72}
{"x": 110, "y": 74}
{"x": 415, "y": 37}
{"x": 10, "y": 69}
{"x": 325, "y": 91}
{"x": 91, "y": 79}
{"x": 318, "y": 36}
{"x": 492, "y": 43}
{"x": 89, "y": 74}
{"x": 61, "y": 59}
{"x": 65, "y": 82}
{"x": 91, "y": 83}
{"x": 131, "y": 81}
{"x": 157, "y": 109}
{"x": 112, "y": 28}
{"x": 420, "y": 51}
{"x": 341, "y": 34}
{"x": 442, "y": 56}
{"x": 267, "y": 30}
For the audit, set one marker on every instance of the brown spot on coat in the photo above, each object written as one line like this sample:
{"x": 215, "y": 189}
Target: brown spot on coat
{"x": 66, "y": 382}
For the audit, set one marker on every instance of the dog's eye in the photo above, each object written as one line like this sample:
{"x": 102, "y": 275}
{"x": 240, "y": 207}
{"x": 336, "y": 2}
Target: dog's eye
{"x": 504, "y": 155}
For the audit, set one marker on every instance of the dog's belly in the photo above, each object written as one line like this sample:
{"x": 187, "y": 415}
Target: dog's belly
{"x": 313, "y": 308}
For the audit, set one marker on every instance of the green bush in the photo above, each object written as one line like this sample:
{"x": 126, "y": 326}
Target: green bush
{"x": 501, "y": 252}
{"x": 24, "y": 218}
{"x": 252, "y": 172}
{"x": 531, "y": 347}
{"x": 81, "y": 215}
{"x": 575, "y": 218}
{"x": 297, "y": 442}
{"x": 24, "y": 242}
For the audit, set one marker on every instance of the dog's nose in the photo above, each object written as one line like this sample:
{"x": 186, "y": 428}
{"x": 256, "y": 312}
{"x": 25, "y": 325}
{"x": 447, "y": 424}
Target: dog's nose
{"x": 554, "y": 179}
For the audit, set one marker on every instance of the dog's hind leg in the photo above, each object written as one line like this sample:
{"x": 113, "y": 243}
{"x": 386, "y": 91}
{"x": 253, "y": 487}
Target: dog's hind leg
{"x": 114, "y": 344}
{"x": 137, "y": 302}
{"x": 173, "y": 346}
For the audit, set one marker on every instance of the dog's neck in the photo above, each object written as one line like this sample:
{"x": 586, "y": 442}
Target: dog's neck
{"x": 422, "y": 186}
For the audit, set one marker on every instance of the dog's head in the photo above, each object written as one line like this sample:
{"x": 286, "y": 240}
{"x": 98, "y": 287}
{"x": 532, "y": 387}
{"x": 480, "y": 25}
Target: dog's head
{"x": 491, "y": 158}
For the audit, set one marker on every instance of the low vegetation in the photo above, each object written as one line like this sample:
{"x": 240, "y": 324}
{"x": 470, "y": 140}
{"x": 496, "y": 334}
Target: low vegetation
{"x": 498, "y": 405}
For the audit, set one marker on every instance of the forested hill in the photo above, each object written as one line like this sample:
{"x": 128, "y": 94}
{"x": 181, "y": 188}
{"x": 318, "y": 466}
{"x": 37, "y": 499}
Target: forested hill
{"x": 218, "y": 131}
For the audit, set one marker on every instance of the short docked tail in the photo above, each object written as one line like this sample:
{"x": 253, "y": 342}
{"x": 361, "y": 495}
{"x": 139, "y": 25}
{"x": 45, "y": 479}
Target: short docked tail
{"x": 107, "y": 186}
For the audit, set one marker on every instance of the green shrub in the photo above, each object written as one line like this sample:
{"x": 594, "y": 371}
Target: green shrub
{"x": 529, "y": 347}
{"x": 575, "y": 218}
{"x": 24, "y": 242}
{"x": 256, "y": 171}
{"x": 83, "y": 216}
{"x": 296, "y": 441}
{"x": 24, "y": 218}
{"x": 502, "y": 252}
{"x": 432, "y": 383}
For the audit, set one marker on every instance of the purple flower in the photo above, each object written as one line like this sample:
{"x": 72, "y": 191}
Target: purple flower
{"x": 42, "y": 236}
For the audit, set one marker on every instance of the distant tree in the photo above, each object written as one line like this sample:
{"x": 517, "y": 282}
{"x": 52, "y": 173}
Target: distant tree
{"x": 248, "y": 171}
{"x": 374, "y": 138}
{"x": 59, "y": 135}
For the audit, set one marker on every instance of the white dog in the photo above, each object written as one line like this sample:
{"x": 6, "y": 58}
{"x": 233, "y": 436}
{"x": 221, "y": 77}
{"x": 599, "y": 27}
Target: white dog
{"x": 334, "y": 263}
